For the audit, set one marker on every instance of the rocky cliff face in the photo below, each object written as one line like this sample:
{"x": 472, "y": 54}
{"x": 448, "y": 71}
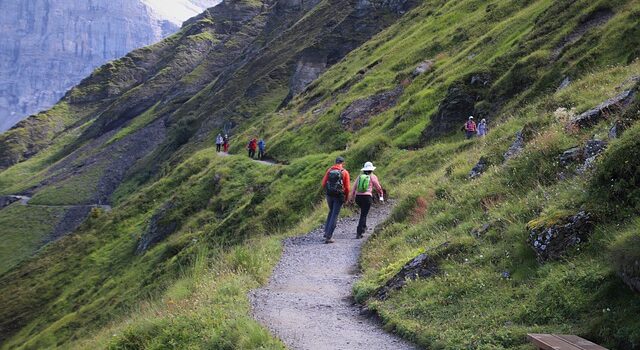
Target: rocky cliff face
{"x": 46, "y": 47}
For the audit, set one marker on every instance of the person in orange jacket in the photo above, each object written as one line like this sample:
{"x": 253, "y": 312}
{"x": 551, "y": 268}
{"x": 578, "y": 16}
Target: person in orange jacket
{"x": 336, "y": 182}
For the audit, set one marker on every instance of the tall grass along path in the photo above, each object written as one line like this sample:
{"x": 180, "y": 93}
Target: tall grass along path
{"x": 307, "y": 302}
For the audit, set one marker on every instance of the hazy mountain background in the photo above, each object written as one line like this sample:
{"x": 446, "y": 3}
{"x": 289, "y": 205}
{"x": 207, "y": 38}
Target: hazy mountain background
{"x": 48, "y": 46}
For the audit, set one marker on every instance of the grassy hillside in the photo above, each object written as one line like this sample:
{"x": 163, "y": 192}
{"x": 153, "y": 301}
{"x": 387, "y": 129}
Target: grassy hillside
{"x": 215, "y": 222}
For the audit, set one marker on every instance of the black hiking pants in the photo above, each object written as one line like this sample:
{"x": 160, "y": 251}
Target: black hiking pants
{"x": 252, "y": 153}
{"x": 218, "y": 145}
{"x": 260, "y": 153}
{"x": 364, "y": 202}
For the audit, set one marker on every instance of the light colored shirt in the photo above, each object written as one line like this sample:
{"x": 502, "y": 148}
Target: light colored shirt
{"x": 373, "y": 183}
{"x": 482, "y": 129}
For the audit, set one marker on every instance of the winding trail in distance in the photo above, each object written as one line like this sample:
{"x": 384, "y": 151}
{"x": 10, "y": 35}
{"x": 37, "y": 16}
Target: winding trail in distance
{"x": 24, "y": 200}
{"x": 307, "y": 302}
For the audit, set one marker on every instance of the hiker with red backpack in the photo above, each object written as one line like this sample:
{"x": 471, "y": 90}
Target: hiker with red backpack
{"x": 362, "y": 192}
{"x": 251, "y": 147}
{"x": 470, "y": 128}
{"x": 336, "y": 183}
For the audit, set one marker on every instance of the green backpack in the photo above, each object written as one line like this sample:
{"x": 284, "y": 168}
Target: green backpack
{"x": 363, "y": 183}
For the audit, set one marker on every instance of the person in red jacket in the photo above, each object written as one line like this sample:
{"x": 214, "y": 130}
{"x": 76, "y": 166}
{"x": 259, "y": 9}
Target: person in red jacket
{"x": 336, "y": 182}
{"x": 252, "y": 146}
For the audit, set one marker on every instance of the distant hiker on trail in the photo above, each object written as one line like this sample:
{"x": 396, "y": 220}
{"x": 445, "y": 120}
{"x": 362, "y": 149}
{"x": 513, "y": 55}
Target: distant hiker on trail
{"x": 363, "y": 193}
{"x": 470, "y": 128}
{"x": 261, "y": 148}
{"x": 225, "y": 143}
{"x": 251, "y": 147}
{"x": 482, "y": 128}
{"x": 336, "y": 183}
{"x": 219, "y": 142}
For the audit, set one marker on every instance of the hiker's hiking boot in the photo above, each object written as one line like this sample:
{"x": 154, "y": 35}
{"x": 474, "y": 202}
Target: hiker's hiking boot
{"x": 329, "y": 240}
{"x": 359, "y": 235}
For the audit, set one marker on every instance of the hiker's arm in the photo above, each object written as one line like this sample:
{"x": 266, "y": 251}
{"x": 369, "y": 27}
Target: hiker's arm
{"x": 347, "y": 182}
{"x": 324, "y": 179}
{"x": 376, "y": 185}
{"x": 354, "y": 186}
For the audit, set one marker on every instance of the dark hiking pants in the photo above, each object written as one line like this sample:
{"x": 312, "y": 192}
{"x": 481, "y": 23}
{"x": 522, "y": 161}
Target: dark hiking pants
{"x": 470, "y": 134}
{"x": 260, "y": 154}
{"x": 252, "y": 153}
{"x": 364, "y": 202}
{"x": 218, "y": 145}
{"x": 335, "y": 204}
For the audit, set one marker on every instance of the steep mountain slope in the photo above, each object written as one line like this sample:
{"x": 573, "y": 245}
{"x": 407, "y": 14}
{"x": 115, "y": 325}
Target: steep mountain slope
{"x": 540, "y": 237}
{"x": 130, "y": 115}
{"x": 47, "y": 47}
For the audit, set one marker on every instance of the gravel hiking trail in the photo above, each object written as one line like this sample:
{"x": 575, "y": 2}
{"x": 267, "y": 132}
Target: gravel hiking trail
{"x": 307, "y": 302}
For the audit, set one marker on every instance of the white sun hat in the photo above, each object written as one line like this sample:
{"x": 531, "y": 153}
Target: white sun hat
{"x": 368, "y": 166}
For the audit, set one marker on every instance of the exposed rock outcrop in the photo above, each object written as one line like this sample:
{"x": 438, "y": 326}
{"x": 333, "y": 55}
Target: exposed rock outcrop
{"x": 572, "y": 155}
{"x": 422, "y": 266}
{"x": 423, "y": 67}
{"x": 564, "y": 84}
{"x": 617, "y": 129}
{"x": 550, "y": 242}
{"x": 358, "y": 113}
{"x": 595, "y": 115}
{"x": 594, "y": 147}
{"x": 6, "y": 201}
{"x": 516, "y": 147}
{"x": 72, "y": 219}
{"x": 158, "y": 228}
{"x": 310, "y": 66}
{"x": 457, "y": 106}
{"x": 479, "y": 168}
{"x": 585, "y": 156}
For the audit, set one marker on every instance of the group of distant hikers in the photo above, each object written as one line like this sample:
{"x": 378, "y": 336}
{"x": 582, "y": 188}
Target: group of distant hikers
{"x": 222, "y": 142}
{"x": 471, "y": 129}
{"x": 337, "y": 182}
{"x": 254, "y": 145}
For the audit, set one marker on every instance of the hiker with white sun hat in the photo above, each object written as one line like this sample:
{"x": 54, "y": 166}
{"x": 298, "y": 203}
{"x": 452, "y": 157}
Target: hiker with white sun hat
{"x": 362, "y": 193}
